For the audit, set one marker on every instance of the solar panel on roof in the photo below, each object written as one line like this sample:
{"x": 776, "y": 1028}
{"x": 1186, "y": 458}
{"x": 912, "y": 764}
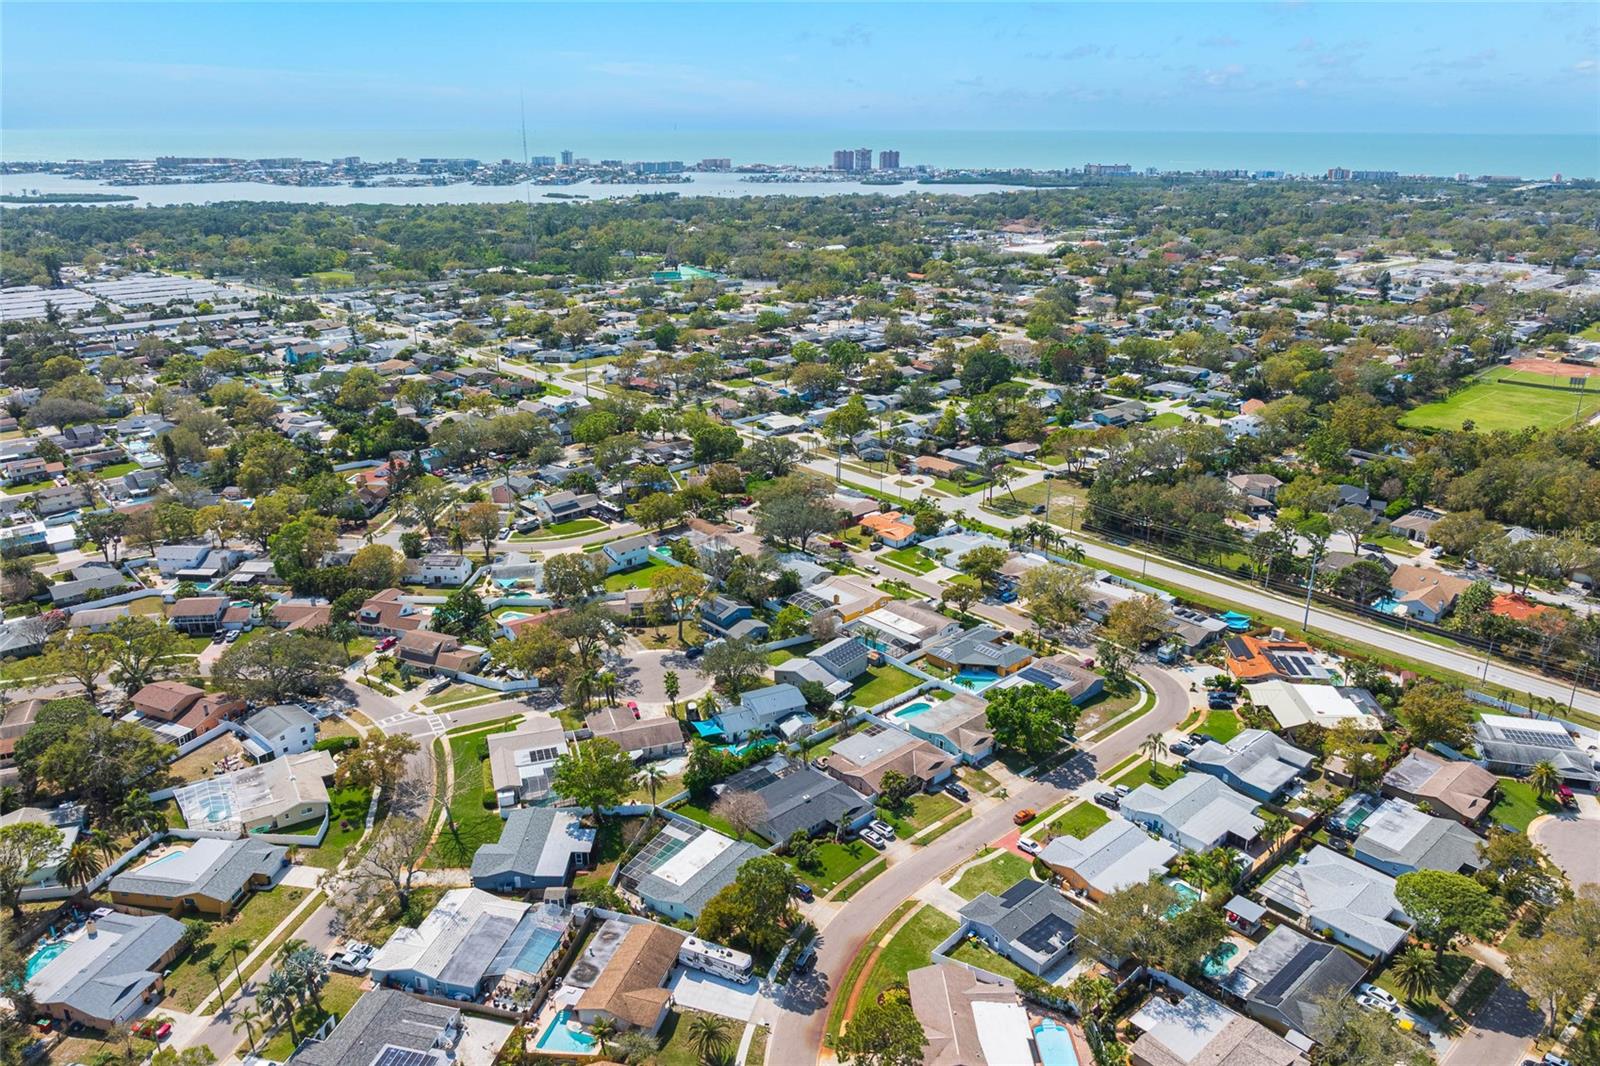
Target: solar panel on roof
{"x": 1538, "y": 738}
{"x": 399, "y": 1056}
{"x": 1047, "y": 934}
{"x": 1039, "y": 677}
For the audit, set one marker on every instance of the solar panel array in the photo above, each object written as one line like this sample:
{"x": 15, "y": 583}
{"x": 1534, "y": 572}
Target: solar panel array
{"x": 1040, "y": 677}
{"x": 1290, "y": 664}
{"x": 1047, "y": 935}
{"x": 1538, "y": 738}
{"x": 400, "y": 1056}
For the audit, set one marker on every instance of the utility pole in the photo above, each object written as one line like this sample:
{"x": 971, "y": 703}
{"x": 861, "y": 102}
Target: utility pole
{"x": 1311, "y": 587}
{"x": 1144, "y": 567}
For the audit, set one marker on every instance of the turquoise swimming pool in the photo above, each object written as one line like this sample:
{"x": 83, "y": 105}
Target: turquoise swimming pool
{"x": 559, "y": 1036}
{"x": 1188, "y": 896}
{"x": 1054, "y": 1044}
{"x": 42, "y": 955}
{"x": 976, "y": 680}
{"x": 911, "y": 710}
{"x": 1215, "y": 964}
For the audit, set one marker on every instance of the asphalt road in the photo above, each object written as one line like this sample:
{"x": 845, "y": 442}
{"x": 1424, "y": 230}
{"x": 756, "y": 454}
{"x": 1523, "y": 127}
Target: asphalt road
{"x": 1501, "y": 1033}
{"x": 802, "y": 1017}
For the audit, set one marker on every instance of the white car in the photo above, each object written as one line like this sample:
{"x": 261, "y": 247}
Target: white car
{"x": 874, "y": 839}
{"x": 882, "y": 828}
{"x": 1370, "y": 989}
{"x": 1029, "y": 846}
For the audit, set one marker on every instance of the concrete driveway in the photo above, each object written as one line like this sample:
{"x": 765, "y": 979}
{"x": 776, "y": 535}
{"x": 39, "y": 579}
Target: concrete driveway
{"x": 481, "y": 1040}
{"x": 702, "y": 991}
{"x": 1570, "y": 838}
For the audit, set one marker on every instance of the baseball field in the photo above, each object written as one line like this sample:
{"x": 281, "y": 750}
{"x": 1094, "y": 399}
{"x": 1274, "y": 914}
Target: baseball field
{"x": 1534, "y": 394}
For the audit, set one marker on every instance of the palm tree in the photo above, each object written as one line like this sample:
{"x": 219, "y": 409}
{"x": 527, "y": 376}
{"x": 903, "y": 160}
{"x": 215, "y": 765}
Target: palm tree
{"x": 246, "y": 1019}
{"x": 1090, "y": 995}
{"x": 1155, "y": 746}
{"x": 10, "y": 798}
{"x": 708, "y": 1035}
{"x": 1544, "y": 777}
{"x": 603, "y": 1029}
{"x": 214, "y": 967}
{"x": 653, "y": 775}
{"x": 82, "y": 864}
{"x": 105, "y": 843}
{"x": 1274, "y": 827}
{"x": 669, "y": 685}
{"x": 138, "y": 814}
{"x": 236, "y": 947}
{"x": 1415, "y": 971}
{"x": 277, "y": 995}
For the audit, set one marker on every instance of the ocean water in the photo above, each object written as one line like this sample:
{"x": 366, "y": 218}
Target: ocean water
{"x": 1442, "y": 154}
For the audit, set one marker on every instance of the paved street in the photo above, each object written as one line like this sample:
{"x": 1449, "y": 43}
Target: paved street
{"x": 1501, "y": 1033}
{"x": 802, "y": 1016}
{"x": 1573, "y": 840}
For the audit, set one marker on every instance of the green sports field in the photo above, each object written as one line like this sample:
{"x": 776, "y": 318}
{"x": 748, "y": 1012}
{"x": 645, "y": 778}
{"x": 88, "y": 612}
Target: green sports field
{"x": 1495, "y": 402}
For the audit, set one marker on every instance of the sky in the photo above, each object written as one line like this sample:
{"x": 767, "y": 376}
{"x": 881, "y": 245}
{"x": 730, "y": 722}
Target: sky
{"x": 775, "y": 67}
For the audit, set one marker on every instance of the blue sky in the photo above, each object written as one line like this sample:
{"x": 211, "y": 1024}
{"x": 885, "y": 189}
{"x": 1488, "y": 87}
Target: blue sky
{"x": 775, "y": 67}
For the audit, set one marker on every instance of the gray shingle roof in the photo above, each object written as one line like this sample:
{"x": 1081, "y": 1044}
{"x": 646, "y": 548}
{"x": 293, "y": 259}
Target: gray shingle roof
{"x": 382, "y": 1018}
{"x": 1288, "y": 972}
{"x": 536, "y": 842}
{"x": 1032, "y": 917}
{"x": 215, "y": 869}
{"x": 105, "y": 975}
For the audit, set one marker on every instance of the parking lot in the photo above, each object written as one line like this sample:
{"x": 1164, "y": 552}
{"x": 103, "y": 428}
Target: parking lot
{"x": 701, "y": 991}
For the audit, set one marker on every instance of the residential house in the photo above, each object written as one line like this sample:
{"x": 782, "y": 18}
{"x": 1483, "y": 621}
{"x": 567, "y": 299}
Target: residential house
{"x": 388, "y": 614}
{"x": 848, "y": 597}
{"x": 520, "y": 763}
{"x": 1113, "y": 857}
{"x": 564, "y": 506}
{"x": 631, "y": 990}
{"x": 1059, "y": 674}
{"x": 170, "y": 558}
{"x": 756, "y": 712}
{"x": 642, "y": 738}
{"x": 1255, "y": 763}
{"x": 1191, "y": 1029}
{"x": 900, "y": 627}
{"x": 1417, "y": 526}
{"x": 1461, "y": 790}
{"x": 300, "y": 615}
{"x": 439, "y": 569}
{"x": 936, "y": 466}
{"x": 731, "y": 619}
{"x": 210, "y": 876}
{"x": 1340, "y": 898}
{"x": 891, "y": 527}
{"x": 861, "y": 760}
{"x": 279, "y": 731}
{"x": 969, "y": 1018}
{"x": 834, "y": 666}
{"x": 958, "y": 725}
{"x": 106, "y": 976}
{"x": 1295, "y": 706}
{"x": 90, "y": 582}
{"x": 382, "y": 1026}
{"x": 982, "y": 649}
{"x": 1516, "y": 745}
{"x": 682, "y": 867}
{"x": 198, "y": 616}
{"x": 1424, "y": 593}
{"x": 456, "y": 952}
{"x": 1260, "y": 491}
{"x": 66, "y": 819}
{"x": 1283, "y": 980}
{"x": 47, "y": 503}
{"x": 539, "y": 847}
{"x": 1397, "y": 838}
{"x": 287, "y": 792}
{"x": 1195, "y": 812}
{"x": 438, "y": 654}
{"x": 1272, "y": 658}
{"x": 629, "y": 553}
{"x": 165, "y": 700}
{"x": 796, "y": 798}
{"x": 1029, "y": 923}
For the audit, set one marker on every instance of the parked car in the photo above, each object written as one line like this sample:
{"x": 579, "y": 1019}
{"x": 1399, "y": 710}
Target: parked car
{"x": 387, "y": 642}
{"x": 1029, "y": 846}
{"x": 1023, "y": 816}
{"x": 869, "y": 568}
{"x": 958, "y": 791}
{"x": 1107, "y": 799}
{"x": 882, "y": 828}
{"x": 1552, "y": 1059}
{"x": 803, "y": 891}
{"x": 233, "y": 635}
{"x": 1564, "y": 794}
{"x": 1370, "y": 989}
{"x": 874, "y": 839}
{"x": 1180, "y": 747}
{"x": 694, "y": 652}
{"x": 1038, "y": 508}
{"x": 1121, "y": 791}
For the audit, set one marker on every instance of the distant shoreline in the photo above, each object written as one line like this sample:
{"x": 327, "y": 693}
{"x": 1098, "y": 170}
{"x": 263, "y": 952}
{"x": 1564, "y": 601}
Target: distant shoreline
{"x": 67, "y": 198}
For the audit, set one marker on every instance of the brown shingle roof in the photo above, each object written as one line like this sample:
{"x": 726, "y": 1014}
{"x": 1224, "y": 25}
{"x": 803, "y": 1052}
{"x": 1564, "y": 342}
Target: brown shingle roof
{"x": 630, "y": 988}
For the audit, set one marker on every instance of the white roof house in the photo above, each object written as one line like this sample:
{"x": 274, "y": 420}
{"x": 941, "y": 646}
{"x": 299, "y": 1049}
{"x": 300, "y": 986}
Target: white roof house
{"x": 1111, "y": 858}
{"x": 452, "y": 950}
{"x": 1342, "y": 899}
{"x": 1327, "y": 706}
{"x": 1195, "y": 812}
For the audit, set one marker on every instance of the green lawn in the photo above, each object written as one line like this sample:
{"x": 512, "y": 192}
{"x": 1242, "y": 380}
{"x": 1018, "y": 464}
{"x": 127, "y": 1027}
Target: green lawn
{"x": 474, "y": 824}
{"x": 676, "y": 1050}
{"x": 779, "y": 656}
{"x": 696, "y": 813}
{"x": 32, "y": 486}
{"x": 1221, "y": 726}
{"x": 926, "y": 808}
{"x": 908, "y": 950}
{"x": 972, "y": 778}
{"x": 571, "y": 528}
{"x": 1519, "y": 804}
{"x": 641, "y": 577}
{"x": 976, "y": 953}
{"x": 861, "y": 881}
{"x": 1077, "y": 821}
{"x": 338, "y": 996}
{"x": 839, "y": 861}
{"x": 1493, "y": 403}
{"x": 106, "y": 473}
{"x": 345, "y": 805}
{"x": 1452, "y": 969}
{"x": 909, "y": 559}
{"x": 457, "y": 693}
{"x": 995, "y": 875}
{"x": 1158, "y": 774}
{"x": 879, "y": 683}
{"x": 188, "y": 983}
{"x": 1165, "y": 420}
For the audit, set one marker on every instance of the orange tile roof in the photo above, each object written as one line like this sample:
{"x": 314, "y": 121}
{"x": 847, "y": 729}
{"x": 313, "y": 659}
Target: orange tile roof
{"x": 1517, "y": 608}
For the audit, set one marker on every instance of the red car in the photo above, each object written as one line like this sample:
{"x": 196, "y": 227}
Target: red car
{"x": 164, "y": 1031}
{"x": 387, "y": 642}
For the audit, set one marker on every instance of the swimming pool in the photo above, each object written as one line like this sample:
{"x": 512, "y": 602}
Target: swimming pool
{"x": 42, "y": 955}
{"x": 558, "y": 1036}
{"x": 1054, "y": 1044}
{"x": 976, "y": 680}
{"x": 1389, "y": 605}
{"x": 911, "y": 710}
{"x": 1188, "y": 896}
{"x": 1215, "y": 964}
